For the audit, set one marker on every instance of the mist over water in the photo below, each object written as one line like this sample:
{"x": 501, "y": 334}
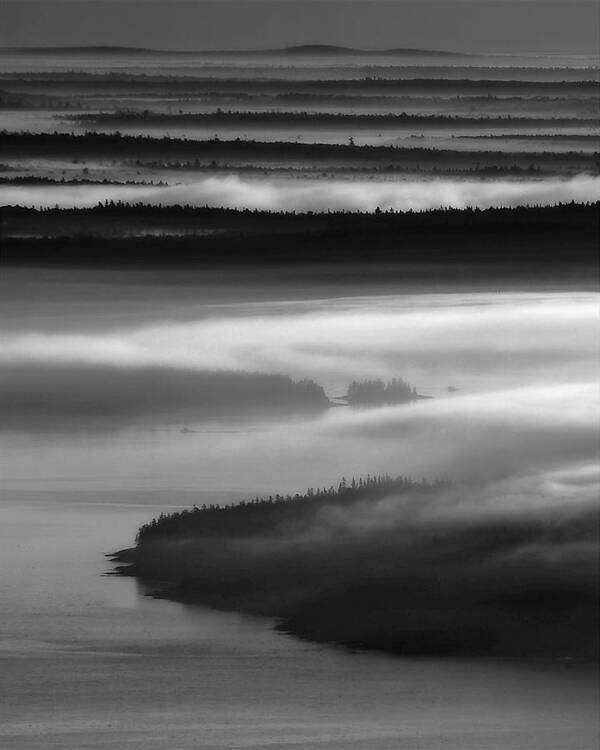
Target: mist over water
{"x": 310, "y": 195}
{"x": 128, "y": 392}
{"x": 468, "y": 334}
{"x": 525, "y": 366}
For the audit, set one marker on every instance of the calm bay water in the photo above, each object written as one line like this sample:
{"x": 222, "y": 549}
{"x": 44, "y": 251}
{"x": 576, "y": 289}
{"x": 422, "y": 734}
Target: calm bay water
{"x": 88, "y": 661}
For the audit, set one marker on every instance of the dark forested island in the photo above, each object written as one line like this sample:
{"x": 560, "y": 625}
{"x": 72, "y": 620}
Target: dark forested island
{"x": 108, "y": 395}
{"x": 386, "y": 563}
{"x": 376, "y": 392}
{"x": 555, "y": 244}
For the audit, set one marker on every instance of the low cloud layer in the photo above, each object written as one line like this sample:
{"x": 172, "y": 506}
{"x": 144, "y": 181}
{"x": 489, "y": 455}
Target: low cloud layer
{"x": 525, "y": 365}
{"x": 310, "y": 195}
{"x": 435, "y": 340}
{"x": 480, "y": 437}
{"x": 492, "y": 434}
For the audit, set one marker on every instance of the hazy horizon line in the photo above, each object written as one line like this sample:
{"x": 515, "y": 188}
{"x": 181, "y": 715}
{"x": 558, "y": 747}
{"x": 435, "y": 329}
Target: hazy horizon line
{"x": 303, "y": 48}
{"x": 307, "y": 48}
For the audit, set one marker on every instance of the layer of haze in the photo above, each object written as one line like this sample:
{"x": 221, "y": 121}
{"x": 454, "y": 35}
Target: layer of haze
{"x": 520, "y": 436}
{"x": 311, "y": 195}
{"x": 513, "y": 420}
{"x": 525, "y": 366}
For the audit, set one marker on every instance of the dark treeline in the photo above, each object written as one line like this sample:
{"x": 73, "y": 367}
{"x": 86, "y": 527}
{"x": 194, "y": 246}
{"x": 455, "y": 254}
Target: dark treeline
{"x": 583, "y": 138}
{"x": 555, "y": 245}
{"x": 105, "y": 395}
{"x": 106, "y": 83}
{"x": 327, "y": 119}
{"x": 272, "y": 515}
{"x": 40, "y": 180}
{"x": 365, "y": 98}
{"x": 365, "y": 392}
{"x": 116, "y": 145}
{"x": 551, "y": 102}
{"x": 495, "y": 218}
{"x": 465, "y": 104}
{"x": 508, "y": 170}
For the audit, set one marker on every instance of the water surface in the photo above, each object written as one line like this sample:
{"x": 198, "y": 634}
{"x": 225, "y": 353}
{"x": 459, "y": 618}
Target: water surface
{"x": 87, "y": 661}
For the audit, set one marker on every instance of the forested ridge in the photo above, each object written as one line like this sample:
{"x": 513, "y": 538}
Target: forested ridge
{"x": 119, "y": 145}
{"x": 276, "y": 117}
{"x": 539, "y": 240}
{"x": 273, "y": 514}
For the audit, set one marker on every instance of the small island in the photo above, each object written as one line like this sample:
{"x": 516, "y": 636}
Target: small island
{"x": 379, "y": 393}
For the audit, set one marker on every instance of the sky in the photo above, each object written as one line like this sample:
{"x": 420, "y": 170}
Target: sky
{"x": 513, "y": 26}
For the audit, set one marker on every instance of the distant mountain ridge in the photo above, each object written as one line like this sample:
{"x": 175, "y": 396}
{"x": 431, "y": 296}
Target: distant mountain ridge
{"x": 332, "y": 49}
{"x": 301, "y": 49}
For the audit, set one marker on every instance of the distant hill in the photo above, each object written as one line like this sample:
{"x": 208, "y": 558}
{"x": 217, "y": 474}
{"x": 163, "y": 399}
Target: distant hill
{"x": 301, "y": 49}
{"x": 331, "y": 49}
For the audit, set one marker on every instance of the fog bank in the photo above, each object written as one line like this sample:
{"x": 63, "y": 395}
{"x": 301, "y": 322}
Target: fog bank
{"x": 473, "y": 341}
{"x": 525, "y": 366}
{"x": 312, "y": 195}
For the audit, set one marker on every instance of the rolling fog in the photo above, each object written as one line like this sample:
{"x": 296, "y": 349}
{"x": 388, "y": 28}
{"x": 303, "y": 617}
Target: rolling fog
{"x": 435, "y": 339}
{"x": 310, "y": 195}
{"x": 524, "y": 366}
{"x": 445, "y": 569}
{"x": 127, "y": 393}
{"x": 516, "y": 434}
